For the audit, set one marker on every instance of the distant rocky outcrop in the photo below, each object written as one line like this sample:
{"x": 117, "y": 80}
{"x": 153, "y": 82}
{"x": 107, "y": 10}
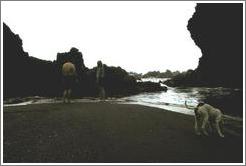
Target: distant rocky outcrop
{"x": 217, "y": 29}
{"x": 158, "y": 74}
{"x": 74, "y": 56}
{"x": 149, "y": 86}
{"x": 24, "y": 75}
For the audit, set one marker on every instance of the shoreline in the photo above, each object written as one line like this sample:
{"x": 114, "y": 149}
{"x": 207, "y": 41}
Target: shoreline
{"x": 169, "y": 107}
{"x": 104, "y": 132}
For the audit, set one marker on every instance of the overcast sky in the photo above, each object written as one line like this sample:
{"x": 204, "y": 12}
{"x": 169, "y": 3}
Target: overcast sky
{"x": 138, "y": 36}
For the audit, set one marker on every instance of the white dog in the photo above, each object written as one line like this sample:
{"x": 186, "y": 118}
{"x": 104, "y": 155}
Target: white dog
{"x": 206, "y": 115}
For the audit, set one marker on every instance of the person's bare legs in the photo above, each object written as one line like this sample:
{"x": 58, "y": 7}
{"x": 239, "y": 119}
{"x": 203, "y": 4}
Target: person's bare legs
{"x": 69, "y": 91}
{"x": 102, "y": 93}
{"x": 64, "y": 96}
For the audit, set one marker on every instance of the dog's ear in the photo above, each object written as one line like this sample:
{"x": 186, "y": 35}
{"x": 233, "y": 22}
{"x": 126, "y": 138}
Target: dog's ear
{"x": 200, "y": 104}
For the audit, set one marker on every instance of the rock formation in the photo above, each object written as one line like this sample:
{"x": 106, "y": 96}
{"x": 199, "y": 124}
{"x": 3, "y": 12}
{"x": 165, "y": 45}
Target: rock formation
{"x": 217, "y": 29}
{"x": 24, "y": 75}
{"x": 74, "y": 56}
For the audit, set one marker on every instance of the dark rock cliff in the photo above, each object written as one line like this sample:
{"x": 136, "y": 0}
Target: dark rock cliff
{"x": 217, "y": 29}
{"x": 73, "y": 56}
{"x": 24, "y": 75}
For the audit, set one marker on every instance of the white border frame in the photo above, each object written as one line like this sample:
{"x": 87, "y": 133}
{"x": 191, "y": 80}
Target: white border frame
{"x": 2, "y": 163}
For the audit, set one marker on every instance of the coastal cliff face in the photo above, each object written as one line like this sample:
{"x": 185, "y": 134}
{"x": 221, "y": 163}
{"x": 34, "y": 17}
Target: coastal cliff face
{"x": 217, "y": 29}
{"x": 24, "y": 75}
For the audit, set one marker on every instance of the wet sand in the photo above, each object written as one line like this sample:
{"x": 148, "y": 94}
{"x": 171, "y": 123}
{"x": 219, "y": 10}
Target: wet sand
{"x": 114, "y": 133}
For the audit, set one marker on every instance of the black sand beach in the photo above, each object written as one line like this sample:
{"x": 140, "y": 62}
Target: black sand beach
{"x": 105, "y": 132}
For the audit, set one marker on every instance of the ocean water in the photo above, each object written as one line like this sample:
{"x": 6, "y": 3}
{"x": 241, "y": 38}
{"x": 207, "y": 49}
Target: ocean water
{"x": 173, "y": 100}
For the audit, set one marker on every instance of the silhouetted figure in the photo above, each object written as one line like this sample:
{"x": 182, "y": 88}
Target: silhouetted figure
{"x": 69, "y": 77}
{"x": 100, "y": 74}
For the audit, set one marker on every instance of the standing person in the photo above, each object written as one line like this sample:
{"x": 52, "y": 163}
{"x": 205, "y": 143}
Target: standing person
{"x": 69, "y": 77}
{"x": 100, "y": 74}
